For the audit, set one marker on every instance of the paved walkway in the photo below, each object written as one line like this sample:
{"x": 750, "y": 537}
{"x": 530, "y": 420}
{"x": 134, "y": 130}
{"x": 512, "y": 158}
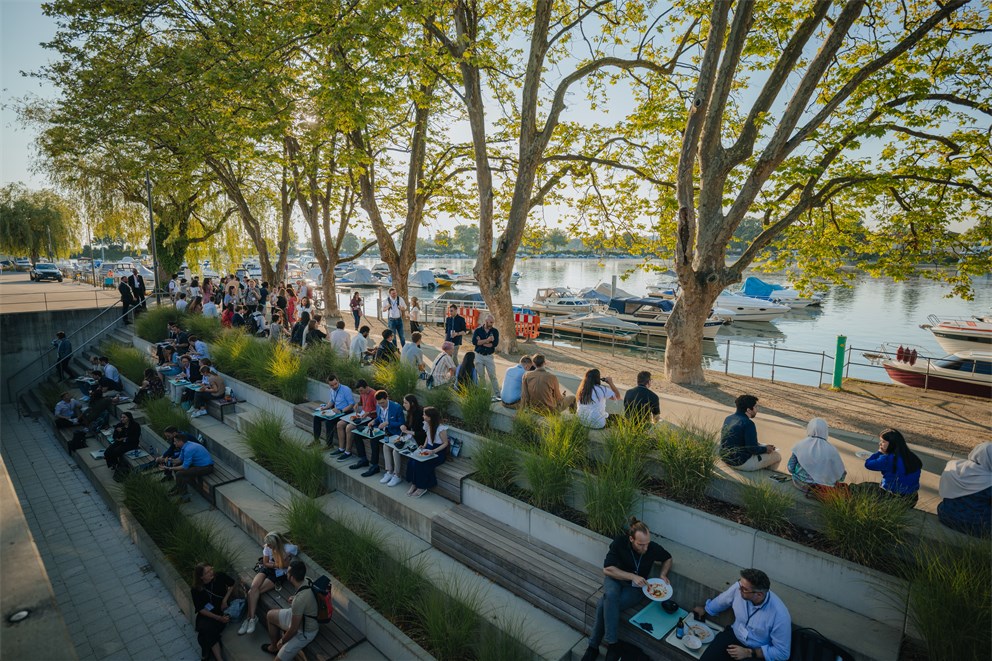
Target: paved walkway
{"x": 114, "y": 605}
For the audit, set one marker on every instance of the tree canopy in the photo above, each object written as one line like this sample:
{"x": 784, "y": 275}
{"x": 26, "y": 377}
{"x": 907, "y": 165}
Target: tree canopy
{"x": 36, "y": 223}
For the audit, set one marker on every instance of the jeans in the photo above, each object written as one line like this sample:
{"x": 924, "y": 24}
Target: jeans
{"x": 618, "y": 596}
{"x": 358, "y": 317}
{"x": 485, "y": 364}
{"x": 717, "y": 650}
{"x": 186, "y": 476}
{"x": 396, "y": 325}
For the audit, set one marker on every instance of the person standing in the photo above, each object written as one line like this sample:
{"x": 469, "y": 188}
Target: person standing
{"x": 263, "y": 299}
{"x": 415, "y": 325}
{"x": 642, "y": 401}
{"x": 127, "y": 299}
{"x": 762, "y": 627}
{"x": 739, "y": 447}
{"x": 626, "y": 568}
{"x": 486, "y": 339}
{"x": 63, "y": 354}
{"x": 138, "y": 286}
{"x": 454, "y": 330}
{"x": 356, "y": 308}
{"x": 395, "y": 307}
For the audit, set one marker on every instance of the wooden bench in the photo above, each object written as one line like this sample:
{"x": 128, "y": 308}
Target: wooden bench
{"x": 449, "y": 474}
{"x": 547, "y": 577}
{"x": 334, "y": 638}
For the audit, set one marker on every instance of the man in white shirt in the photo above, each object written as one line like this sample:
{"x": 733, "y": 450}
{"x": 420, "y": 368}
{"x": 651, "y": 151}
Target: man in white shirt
{"x": 360, "y": 344}
{"x": 111, "y": 376}
{"x": 443, "y": 368}
{"x": 174, "y": 287}
{"x": 210, "y": 309}
{"x": 182, "y": 303}
{"x": 412, "y": 354}
{"x": 395, "y": 305}
{"x": 340, "y": 339}
{"x": 198, "y": 348}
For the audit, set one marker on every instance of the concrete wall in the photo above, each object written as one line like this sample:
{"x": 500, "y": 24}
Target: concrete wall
{"x": 27, "y": 335}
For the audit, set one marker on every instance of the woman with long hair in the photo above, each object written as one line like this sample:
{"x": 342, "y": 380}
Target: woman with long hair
{"x": 422, "y": 474}
{"x": 126, "y": 437}
{"x": 281, "y": 303}
{"x": 466, "y": 375}
{"x": 291, "y": 304}
{"x": 151, "y": 388}
{"x": 900, "y": 468}
{"x": 211, "y": 593}
{"x": 415, "y": 325}
{"x": 356, "y": 307}
{"x": 412, "y": 426}
{"x": 591, "y": 397}
{"x": 277, "y": 553}
{"x": 195, "y": 296}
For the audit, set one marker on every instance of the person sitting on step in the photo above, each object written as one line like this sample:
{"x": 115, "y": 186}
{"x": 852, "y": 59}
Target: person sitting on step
{"x": 212, "y": 388}
{"x": 67, "y": 411}
{"x": 363, "y": 413}
{"x": 126, "y": 437}
{"x": 194, "y": 461}
{"x": 277, "y": 554}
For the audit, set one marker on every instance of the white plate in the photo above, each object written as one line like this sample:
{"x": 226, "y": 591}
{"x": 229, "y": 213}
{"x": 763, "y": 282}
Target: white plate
{"x": 863, "y": 454}
{"x": 657, "y": 581}
{"x": 700, "y": 631}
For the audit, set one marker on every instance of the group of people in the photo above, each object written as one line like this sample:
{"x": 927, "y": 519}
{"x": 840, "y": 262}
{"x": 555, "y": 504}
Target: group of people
{"x": 349, "y": 420}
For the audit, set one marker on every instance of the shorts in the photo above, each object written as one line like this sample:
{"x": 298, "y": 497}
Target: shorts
{"x": 293, "y": 646}
{"x": 270, "y": 574}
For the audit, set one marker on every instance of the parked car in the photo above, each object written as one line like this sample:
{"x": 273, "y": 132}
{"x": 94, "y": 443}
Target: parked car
{"x": 7, "y": 265}
{"x": 22, "y": 264}
{"x": 45, "y": 272}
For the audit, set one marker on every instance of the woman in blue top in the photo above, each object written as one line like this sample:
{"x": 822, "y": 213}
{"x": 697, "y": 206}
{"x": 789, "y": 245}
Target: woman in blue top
{"x": 466, "y": 375}
{"x": 900, "y": 468}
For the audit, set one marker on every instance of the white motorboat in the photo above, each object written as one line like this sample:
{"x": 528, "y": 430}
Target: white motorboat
{"x": 965, "y": 373}
{"x": 597, "y": 325}
{"x": 956, "y": 334}
{"x": 757, "y": 288}
{"x": 746, "y": 308}
{"x": 469, "y": 278}
{"x": 559, "y": 300}
{"x": 650, "y": 313}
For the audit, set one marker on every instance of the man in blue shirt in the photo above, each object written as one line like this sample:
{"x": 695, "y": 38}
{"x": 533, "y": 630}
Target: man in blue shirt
{"x": 513, "y": 382}
{"x": 388, "y": 418}
{"x": 340, "y": 400}
{"x": 739, "y": 447}
{"x": 762, "y": 627}
{"x": 170, "y": 457}
{"x": 194, "y": 461}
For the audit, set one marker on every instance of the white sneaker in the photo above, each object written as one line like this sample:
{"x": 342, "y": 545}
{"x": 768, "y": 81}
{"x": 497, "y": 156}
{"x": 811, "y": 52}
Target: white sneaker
{"x": 386, "y": 478}
{"x": 244, "y": 627}
{"x": 198, "y": 413}
{"x": 251, "y": 625}
{"x": 396, "y": 480}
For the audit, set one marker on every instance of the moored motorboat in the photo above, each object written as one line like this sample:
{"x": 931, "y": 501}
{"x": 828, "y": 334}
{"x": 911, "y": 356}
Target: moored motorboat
{"x": 560, "y": 300}
{"x": 757, "y": 288}
{"x": 652, "y": 314}
{"x": 956, "y": 334}
{"x": 597, "y": 325}
{"x": 965, "y": 373}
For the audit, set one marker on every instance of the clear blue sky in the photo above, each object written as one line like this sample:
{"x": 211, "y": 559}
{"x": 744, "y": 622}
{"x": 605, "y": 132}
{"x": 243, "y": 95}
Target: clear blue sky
{"x": 23, "y": 27}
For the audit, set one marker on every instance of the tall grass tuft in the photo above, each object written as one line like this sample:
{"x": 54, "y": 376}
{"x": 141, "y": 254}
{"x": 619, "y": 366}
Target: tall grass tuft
{"x": 506, "y": 640}
{"x": 162, "y": 413}
{"x": 286, "y": 369}
{"x": 863, "y": 527}
{"x": 228, "y": 351}
{"x": 612, "y": 493}
{"x": 50, "y": 393}
{"x": 152, "y": 325}
{"x": 440, "y": 398}
{"x": 476, "y": 403}
{"x": 302, "y": 467}
{"x": 496, "y": 464}
{"x": 527, "y": 428}
{"x": 205, "y": 328}
{"x": 766, "y": 507}
{"x": 549, "y": 469}
{"x": 629, "y": 439}
{"x": 131, "y": 362}
{"x": 949, "y": 586}
{"x": 320, "y": 360}
{"x": 687, "y": 454}
{"x": 397, "y": 378}
{"x": 450, "y": 619}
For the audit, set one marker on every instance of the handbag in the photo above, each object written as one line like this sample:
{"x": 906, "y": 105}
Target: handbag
{"x": 235, "y": 609}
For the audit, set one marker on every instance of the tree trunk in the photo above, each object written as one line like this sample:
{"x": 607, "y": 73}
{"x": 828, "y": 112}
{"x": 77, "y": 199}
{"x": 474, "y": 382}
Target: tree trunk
{"x": 684, "y": 350}
{"x": 329, "y": 286}
{"x": 499, "y": 303}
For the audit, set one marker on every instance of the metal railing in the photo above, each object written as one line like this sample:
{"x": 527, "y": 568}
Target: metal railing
{"x": 49, "y": 301}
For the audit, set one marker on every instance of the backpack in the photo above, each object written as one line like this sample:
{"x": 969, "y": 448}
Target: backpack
{"x": 321, "y": 589}
{"x": 810, "y": 645}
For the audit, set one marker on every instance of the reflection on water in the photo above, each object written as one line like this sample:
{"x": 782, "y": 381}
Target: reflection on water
{"x": 869, "y": 312}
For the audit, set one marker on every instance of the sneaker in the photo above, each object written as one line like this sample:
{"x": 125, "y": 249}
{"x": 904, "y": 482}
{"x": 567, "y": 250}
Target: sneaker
{"x": 362, "y": 463}
{"x": 251, "y": 625}
{"x": 344, "y": 456}
{"x": 592, "y": 653}
{"x": 336, "y": 451}
{"x": 244, "y": 627}
{"x": 386, "y": 478}
{"x": 373, "y": 469}
{"x": 84, "y": 398}
{"x": 198, "y": 413}
{"x": 393, "y": 482}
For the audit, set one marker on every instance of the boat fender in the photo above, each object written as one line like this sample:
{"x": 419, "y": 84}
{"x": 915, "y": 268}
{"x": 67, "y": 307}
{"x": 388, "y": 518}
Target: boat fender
{"x": 900, "y": 354}
{"x": 912, "y": 357}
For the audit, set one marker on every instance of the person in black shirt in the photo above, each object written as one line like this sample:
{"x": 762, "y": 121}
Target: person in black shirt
{"x": 127, "y": 299}
{"x": 386, "y": 352}
{"x": 211, "y": 593}
{"x": 127, "y": 435}
{"x": 454, "y": 329}
{"x": 627, "y": 566}
{"x": 486, "y": 339}
{"x": 640, "y": 401}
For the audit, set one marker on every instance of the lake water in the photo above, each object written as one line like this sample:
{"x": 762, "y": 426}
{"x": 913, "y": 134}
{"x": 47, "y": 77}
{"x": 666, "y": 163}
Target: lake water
{"x": 869, "y": 313}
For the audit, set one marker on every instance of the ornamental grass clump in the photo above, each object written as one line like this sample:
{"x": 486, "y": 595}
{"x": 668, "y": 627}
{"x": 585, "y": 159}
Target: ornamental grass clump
{"x": 496, "y": 464}
{"x": 301, "y": 466}
{"x": 162, "y": 413}
{"x": 766, "y": 507}
{"x": 611, "y": 494}
{"x": 449, "y": 618}
{"x": 527, "y": 428}
{"x": 286, "y": 370}
{"x": 475, "y": 402}
{"x": 506, "y": 640}
{"x": 440, "y": 398}
{"x": 131, "y": 362}
{"x": 687, "y": 455}
{"x": 863, "y": 527}
{"x": 549, "y": 469}
{"x": 629, "y": 439}
{"x": 49, "y": 393}
{"x": 951, "y": 585}
{"x": 228, "y": 352}
{"x": 397, "y": 378}
{"x": 152, "y": 324}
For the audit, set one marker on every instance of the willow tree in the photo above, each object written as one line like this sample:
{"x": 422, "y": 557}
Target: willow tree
{"x": 849, "y": 106}
{"x": 37, "y": 222}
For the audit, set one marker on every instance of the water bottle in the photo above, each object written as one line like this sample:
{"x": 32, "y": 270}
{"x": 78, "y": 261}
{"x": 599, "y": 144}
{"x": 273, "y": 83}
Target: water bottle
{"x": 151, "y": 450}
{"x": 680, "y": 628}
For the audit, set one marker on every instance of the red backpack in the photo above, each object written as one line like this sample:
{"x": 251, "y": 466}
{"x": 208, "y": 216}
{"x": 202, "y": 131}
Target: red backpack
{"x": 321, "y": 589}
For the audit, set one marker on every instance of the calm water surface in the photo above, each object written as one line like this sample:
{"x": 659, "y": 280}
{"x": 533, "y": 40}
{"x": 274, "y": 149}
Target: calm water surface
{"x": 869, "y": 313}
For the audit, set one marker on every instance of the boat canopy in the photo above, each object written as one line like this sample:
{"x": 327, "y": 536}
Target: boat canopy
{"x": 424, "y": 279}
{"x": 756, "y": 287}
{"x": 360, "y": 276}
{"x": 633, "y": 304}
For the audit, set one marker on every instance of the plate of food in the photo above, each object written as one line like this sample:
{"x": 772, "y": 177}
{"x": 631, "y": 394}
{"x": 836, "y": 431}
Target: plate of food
{"x": 424, "y": 453}
{"x": 700, "y": 631}
{"x": 657, "y": 590}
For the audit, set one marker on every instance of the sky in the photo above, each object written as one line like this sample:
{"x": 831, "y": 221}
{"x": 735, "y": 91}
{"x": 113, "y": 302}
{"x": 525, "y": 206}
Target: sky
{"x": 23, "y": 27}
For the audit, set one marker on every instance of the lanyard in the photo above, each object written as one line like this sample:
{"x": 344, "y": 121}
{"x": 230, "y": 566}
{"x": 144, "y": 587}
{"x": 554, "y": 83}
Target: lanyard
{"x": 637, "y": 561}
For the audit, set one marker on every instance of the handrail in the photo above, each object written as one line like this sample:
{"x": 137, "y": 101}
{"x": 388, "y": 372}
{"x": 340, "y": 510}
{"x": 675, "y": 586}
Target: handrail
{"x": 70, "y": 335}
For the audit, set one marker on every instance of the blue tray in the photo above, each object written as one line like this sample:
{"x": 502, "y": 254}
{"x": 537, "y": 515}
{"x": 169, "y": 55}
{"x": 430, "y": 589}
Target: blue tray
{"x": 661, "y": 622}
